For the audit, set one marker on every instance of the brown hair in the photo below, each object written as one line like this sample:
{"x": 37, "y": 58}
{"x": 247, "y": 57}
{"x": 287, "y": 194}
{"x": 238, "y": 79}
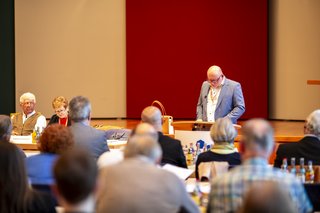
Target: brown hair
{"x": 75, "y": 173}
{"x": 59, "y": 101}
{"x": 56, "y": 139}
{"x": 14, "y": 189}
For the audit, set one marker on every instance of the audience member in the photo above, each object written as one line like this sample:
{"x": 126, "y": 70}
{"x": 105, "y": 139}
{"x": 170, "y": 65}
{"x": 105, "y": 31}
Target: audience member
{"x": 15, "y": 194}
{"x": 115, "y": 156}
{"x": 223, "y": 134}
{"x": 6, "y": 129}
{"x": 219, "y": 97}
{"x": 54, "y": 140}
{"x": 84, "y": 135}
{"x": 137, "y": 185}
{"x": 308, "y": 147}
{"x": 60, "y": 107}
{"x": 267, "y": 197}
{"x": 28, "y": 120}
{"x": 228, "y": 190}
{"x": 75, "y": 173}
{"x": 145, "y": 129}
{"x": 171, "y": 148}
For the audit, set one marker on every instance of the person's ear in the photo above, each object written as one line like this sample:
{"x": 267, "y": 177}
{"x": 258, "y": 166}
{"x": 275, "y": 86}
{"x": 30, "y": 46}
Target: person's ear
{"x": 99, "y": 186}
{"x": 55, "y": 190}
{"x": 7, "y": 137}
{"x": 158, "y": 160}
{"x": 241, "y": 147}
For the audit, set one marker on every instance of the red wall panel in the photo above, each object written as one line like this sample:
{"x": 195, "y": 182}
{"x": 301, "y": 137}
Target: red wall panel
{"x": 172, "y": 43}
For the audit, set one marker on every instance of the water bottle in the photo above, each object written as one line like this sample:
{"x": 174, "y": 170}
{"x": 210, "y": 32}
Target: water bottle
{"x": 293, "y": 166}
{"x": 302, "y": 171}
{"x": 310, "y": 173}
{"x": 284, "y": 166}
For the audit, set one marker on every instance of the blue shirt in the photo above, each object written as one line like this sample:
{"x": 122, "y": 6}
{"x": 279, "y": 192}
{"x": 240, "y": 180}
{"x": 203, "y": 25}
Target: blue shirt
{"x": 228, "y": 190}
{"x": 39, "y": 168}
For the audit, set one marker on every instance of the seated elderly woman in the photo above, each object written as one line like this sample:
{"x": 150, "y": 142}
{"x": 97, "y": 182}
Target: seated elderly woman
{"x": 54, "y": 140}
{"x": 223, "y": 134}
{"x": 60, "y": 107}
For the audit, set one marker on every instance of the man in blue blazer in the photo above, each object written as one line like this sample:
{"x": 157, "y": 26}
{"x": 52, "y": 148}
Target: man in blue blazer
{"x": 220, "y": 97}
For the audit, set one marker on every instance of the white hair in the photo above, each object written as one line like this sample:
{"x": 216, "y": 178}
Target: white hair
{"x": 222, "y": 130}
{"x": 143, "y": 145}
{"x": 27, "y": 96}
{"x": 313, "y": 123}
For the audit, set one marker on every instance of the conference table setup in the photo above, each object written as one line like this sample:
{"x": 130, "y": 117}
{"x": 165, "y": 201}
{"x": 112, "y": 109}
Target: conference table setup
{"x": 187, "y": 132}
{"x": 161, "y": 103}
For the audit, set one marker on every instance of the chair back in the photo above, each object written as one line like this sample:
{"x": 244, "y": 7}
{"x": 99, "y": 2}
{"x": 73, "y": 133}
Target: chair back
{"x": 209, "y": 170}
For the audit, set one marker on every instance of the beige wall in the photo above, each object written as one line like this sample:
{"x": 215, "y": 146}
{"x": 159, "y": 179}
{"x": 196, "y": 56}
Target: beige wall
{"x": 77, "y": 47}
{"x": 294, "y": 58}
{"x": 69, "y": 48}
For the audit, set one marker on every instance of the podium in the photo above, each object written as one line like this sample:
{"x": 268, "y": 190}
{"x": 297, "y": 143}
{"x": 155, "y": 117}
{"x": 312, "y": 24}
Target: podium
{"x": 196, "y": 125}
{"x": 192, "y": 131}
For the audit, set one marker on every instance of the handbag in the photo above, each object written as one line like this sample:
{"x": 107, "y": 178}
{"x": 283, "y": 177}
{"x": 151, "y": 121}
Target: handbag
{"x": 167, "y": 120}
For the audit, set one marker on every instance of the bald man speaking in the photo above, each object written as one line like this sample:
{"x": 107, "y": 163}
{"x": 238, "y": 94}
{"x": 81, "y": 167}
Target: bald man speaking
{"x": 219, "y": 97}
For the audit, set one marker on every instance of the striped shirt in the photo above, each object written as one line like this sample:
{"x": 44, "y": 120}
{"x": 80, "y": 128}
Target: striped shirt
{"x": 228, "y": 190}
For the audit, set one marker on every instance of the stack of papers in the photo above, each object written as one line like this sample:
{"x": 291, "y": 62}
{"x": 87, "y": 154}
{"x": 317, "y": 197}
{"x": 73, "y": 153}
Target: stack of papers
{"x": 182, "y": 173}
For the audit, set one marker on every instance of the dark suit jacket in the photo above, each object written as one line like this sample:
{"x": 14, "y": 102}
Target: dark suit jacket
{"x": 90, "y": 138}
{"x": 172, "y": 152}
{"x": 307, "y": 148}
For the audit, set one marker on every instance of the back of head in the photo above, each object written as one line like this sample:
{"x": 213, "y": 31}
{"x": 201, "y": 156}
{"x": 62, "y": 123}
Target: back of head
{"x": 27, "y": 96}
{"x": 143, "y": 145}
{"x": 222, "y": 130}
{"x": 79, "y": 108}
{"x": 312, "y": 125}
{"x": 258, "y": 136}
{"x": 152, "y": 115}
{"x": 145, "y": 129}
{"x": 56, "y": 139}
{"x": 267, "y": 197}
{"x": 75, "y": 173}
{"x": 13, "y": 180}
{"x": 5, "y": 127}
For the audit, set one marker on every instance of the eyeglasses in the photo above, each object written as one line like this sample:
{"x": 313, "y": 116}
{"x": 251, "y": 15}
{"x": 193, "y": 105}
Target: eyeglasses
{"x": 215, "y": 81}
{"x": 60, "y": 110}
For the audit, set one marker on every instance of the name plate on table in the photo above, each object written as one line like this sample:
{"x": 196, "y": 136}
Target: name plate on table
{"x": 21, "y": 139}
{"x": 24, "y": 142}
{"x": 116, "y": 143}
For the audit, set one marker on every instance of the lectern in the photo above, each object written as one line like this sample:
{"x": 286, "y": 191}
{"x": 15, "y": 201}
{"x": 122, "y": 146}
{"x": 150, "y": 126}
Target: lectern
{"x": 195, "y": 125}
{"x": 192, "y": 131}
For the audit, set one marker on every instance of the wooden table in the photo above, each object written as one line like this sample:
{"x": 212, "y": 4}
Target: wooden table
{"x": 24, "y": 142}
